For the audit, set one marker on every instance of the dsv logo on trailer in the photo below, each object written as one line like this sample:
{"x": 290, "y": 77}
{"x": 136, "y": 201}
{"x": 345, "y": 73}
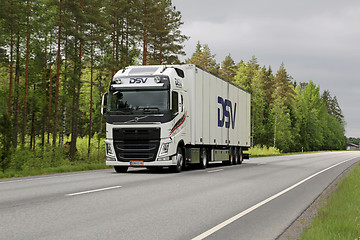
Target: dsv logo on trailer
{"x": 228, "y": 115}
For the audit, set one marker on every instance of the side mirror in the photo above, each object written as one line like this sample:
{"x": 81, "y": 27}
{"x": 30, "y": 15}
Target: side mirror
{"x": 104, "y": 104}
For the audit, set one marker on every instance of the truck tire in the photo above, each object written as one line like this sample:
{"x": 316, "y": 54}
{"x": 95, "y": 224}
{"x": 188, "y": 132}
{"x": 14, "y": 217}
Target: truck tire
{"x": 228, "y": 162}
{"x": 232, "y": 160}
{"x": 179, "y": 161}
{"x": 121, "y": 169}
{"x": 234, "y": 157}
{"x": 240, "y": 157}
{"x": 204, "y": 158}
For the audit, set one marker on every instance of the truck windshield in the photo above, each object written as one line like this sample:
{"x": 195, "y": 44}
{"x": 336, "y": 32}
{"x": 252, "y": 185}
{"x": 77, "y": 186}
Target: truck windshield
{"x": 126, "y": 101}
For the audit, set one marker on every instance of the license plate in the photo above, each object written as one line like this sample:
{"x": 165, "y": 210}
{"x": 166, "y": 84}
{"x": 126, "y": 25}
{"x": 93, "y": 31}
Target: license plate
{"x": 136, "y": 163}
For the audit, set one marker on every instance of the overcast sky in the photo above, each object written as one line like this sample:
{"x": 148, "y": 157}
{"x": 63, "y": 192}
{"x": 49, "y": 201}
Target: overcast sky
{"x": 317, "y": 40}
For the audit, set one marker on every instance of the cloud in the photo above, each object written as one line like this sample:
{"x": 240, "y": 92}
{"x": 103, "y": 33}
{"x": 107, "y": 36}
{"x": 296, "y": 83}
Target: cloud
{"x": 316, "y": 40}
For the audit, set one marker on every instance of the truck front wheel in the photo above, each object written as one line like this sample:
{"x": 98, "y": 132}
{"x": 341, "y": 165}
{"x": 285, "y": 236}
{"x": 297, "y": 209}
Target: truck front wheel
{"x": 179, "y": 161}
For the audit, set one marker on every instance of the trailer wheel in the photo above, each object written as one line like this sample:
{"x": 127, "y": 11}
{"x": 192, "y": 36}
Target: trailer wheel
{"x": 231, "y": 159}
{"x": 204, "y": 158}
{"x": 121, "y": 169}
{"x": 234, "y": 157}
{"x": 179, "y": 161}
{"x": 240, "y": 157}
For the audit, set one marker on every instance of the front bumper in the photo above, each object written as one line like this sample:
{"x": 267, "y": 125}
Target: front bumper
{"x": 167, "y": 163}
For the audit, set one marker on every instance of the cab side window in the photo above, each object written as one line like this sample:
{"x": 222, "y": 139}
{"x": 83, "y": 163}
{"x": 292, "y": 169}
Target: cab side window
{"x": 175, "y": 103}
{"x": 182, "y": 104}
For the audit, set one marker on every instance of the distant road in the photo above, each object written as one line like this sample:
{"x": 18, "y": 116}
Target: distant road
{"x": 256, "y": 200}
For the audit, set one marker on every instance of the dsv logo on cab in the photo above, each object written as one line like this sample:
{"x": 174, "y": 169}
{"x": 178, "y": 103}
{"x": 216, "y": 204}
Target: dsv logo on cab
{"x": 137, "y": 80}
{"x": 228, "y": 115}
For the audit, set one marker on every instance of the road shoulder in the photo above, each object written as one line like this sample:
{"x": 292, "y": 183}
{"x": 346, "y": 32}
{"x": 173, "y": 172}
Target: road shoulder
{"x": 304, "y": 220}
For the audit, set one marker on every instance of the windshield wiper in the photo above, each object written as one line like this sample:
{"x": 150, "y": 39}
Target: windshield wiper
{"x": 150, "y": 109}
{"x": 126, "y": 112}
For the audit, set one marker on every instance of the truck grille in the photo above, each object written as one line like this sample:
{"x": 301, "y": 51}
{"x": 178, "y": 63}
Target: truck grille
{"x": 136, "y": 144}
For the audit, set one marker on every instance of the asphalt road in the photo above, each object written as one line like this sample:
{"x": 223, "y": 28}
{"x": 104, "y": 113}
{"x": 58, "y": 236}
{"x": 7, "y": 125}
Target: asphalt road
{"x": 256, "y": 200}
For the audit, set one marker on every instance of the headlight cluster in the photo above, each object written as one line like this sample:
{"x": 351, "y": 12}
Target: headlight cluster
{"x": 164, "y": 149}
{"x": 117, "y": 80}
{"x": 157, "y": 79}
{"x": 109, "y": 150}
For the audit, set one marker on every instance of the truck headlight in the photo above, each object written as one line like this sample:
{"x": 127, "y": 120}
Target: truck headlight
{"x": 109, "y": 150}
{"x": 157, "y": 79}
{"x": 164, "y": 149}
{"x": 117, "y": 80}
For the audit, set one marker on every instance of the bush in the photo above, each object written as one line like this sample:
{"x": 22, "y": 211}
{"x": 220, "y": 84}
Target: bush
{"x": 5, "y": 135}
{"x": 5, "y": 141}
{"x": 25, "y": 160}
{"x": 264, "y": 151}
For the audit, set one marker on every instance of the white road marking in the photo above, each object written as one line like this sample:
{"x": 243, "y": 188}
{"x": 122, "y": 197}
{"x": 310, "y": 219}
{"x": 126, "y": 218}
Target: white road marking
{"x": 92, "y": 191}
{"x": 243, "y": 213}
{"x": 217, "y": 170}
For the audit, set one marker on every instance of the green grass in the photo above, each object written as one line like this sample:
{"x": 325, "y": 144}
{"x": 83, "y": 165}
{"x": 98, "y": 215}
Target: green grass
{"x": 61, "y": 169}
{"x": 340, "y": 217}
{"x": 47, "y": 160}
{"x": 258, "y": 151}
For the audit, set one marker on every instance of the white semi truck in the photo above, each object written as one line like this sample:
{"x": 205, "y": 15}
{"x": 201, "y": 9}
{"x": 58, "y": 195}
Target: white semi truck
{"x": 173, "y": 116}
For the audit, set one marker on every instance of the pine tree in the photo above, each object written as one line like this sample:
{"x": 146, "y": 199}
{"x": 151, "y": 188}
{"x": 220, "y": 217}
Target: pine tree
{"x": 332, "y": 106}
{"x": 58, "y": 66}
{"x": 258, "y": 104}
{"x": 245, "y": 73}
{"x": 227, "y": 70}
{"x": 26, "y": 70}
{"x": 283, "y": 86}
{"x": 165, "y": 41}
{"x": 204, "y": 59}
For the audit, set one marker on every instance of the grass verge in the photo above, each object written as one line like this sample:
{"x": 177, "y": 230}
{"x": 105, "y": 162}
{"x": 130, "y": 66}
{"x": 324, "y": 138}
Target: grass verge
{"x": 48, "y": 160}
{"x": 61, "y": 169}
{"x": 340, "y": 217}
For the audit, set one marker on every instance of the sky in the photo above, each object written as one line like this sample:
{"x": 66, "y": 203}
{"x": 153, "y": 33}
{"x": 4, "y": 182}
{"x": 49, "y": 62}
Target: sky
{"x": 317, "y": 40}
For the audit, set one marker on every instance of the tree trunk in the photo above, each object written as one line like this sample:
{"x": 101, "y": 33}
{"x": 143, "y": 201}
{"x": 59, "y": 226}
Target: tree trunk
{"x": 11, "y": 72}
{"x": 91, "y": 98}
{"x": 114, "y": 41}
{"x": 145, "y": 34}
{"x": 57, "y": 76}
{"x": 26, "y": 72}
{"x": 32, "y": 137}
{"x": 275, "y": 130}
{"x": 76, "y": 106}
{"x": 44, "y": 108}
{"x": 63, "y": 125}
{"x": 17, "y": 82}
{"x": 145, "y": 48}
{"x": 101, "y": 118}
{"x": 50, "y": 101}
{"x": 161, "y": 51}
{"x": 127, "y": 36}
{"x": 117, "y": 47}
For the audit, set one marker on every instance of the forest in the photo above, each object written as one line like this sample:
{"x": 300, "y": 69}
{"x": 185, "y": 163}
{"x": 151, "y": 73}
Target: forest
{"x": 57, "y": 58}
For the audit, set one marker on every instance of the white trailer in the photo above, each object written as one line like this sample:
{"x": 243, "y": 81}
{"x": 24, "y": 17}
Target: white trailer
{"x": 172, "y": 116}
